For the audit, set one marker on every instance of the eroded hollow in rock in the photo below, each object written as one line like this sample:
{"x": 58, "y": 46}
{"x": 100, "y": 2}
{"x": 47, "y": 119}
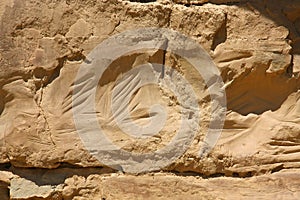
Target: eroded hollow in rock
{"x": 144, "y": 97}
{"x": 259, "y": 92}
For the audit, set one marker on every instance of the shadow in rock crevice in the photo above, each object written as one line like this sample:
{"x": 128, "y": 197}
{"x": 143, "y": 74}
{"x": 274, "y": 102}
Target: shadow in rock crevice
{"x": 57, "y": 176}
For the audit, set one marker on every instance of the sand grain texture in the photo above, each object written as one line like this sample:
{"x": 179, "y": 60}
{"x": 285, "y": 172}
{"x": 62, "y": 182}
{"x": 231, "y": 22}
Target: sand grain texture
{"x": 256, "y": 47}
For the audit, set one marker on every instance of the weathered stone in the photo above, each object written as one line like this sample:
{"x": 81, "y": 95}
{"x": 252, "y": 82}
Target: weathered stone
{"x": 254, "y": 44}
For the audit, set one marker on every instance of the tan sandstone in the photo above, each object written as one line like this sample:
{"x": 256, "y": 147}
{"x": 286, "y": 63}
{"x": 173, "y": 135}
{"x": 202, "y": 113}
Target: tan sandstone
{"x": 256, "y": 47}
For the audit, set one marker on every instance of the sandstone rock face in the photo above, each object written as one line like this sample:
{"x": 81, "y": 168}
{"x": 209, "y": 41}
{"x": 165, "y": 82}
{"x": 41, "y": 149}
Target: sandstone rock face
{"x": 256, "y": 47}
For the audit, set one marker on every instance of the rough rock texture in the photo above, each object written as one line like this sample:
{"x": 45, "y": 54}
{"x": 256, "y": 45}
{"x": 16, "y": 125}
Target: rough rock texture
{"x": 256, "y": 46}
{"x": 73, "y": 184}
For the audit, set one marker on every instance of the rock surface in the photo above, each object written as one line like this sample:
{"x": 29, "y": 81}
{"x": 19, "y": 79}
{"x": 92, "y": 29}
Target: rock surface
{"x": 255, "y": 45}
{"x": 279, "y": 185}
